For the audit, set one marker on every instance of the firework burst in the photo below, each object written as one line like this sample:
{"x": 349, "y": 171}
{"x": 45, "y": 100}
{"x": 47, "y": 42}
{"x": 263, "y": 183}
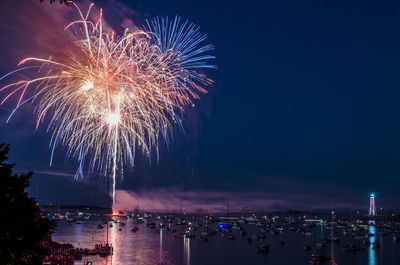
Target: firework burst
{"x": 106, "y": 97}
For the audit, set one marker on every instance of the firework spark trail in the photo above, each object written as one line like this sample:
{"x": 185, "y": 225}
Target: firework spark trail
{"x": 107, "y": 97}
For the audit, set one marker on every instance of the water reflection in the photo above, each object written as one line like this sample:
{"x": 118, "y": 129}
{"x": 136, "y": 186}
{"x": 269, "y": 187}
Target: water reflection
{"x": 372, "y": 239}
{"x": 186, "y": 250}
{"x": 152, "y": 246}
{"x": 161, "y": 248}
{"x": 113, "y": 240}
{"x": 79, "y": 232}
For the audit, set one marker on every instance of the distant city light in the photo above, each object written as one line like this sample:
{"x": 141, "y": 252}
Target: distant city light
{"x": 372, "y": 205}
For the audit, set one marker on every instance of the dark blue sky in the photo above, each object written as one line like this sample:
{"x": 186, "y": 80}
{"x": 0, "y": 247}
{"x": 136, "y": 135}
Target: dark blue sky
{"x": 305, "y": 106}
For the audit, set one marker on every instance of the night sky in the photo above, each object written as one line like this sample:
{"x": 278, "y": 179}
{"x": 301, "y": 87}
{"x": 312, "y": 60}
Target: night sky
{"x": 304, "y": 108}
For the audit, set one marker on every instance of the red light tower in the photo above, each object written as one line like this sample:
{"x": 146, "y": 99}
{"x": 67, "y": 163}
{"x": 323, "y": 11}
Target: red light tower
{"x": 372, "y": 205}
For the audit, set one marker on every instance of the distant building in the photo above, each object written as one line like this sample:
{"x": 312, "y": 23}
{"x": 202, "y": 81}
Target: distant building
{"x": 372, "y": 205}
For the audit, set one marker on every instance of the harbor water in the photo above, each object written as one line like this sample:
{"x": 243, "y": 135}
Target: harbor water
{"x": 152, "y": 245}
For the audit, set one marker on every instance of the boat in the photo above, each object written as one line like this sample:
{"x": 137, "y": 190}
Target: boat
{"x": 261, "y": 236}
{"x": 307, "y": 247}
{"x": 150, "y": 224}
{"x": 104, "y": 250}
{"x": 178, "y": 235}
{"x": 321, "y": 244}
{"x": 230, "y": 237}
{"x": 319, "y": 255}
{"x": 315, "y": 261}
{"x": 202, "y": 238}
{"x": 189, "y": 235}
{"x": 263, "y": 249}
{"x": 333, "y": 239}
{"x": 351, "y": 247}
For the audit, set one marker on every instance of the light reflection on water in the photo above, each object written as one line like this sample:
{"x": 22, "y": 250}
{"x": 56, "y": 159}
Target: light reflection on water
{"x": 143, "y": 247}
{"x": 186, "y": 250}
{"x": 371, "y": 250}
{"x": 161, "y": 250}
{"x": 154, "y": 246}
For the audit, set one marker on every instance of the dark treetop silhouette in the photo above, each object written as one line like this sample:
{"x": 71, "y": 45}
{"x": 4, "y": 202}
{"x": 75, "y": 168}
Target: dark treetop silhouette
{"x": 61, "y": 1}
{"x": 23, "y": 228}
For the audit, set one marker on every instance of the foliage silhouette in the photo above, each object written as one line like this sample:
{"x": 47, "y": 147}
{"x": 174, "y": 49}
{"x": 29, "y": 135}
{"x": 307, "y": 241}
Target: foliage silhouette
{"x": 23, "y": 226}
{"x": 65, "y": 2}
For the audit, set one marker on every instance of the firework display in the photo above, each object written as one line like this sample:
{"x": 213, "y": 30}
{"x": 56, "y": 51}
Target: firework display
{"x": 107, "y": 97}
